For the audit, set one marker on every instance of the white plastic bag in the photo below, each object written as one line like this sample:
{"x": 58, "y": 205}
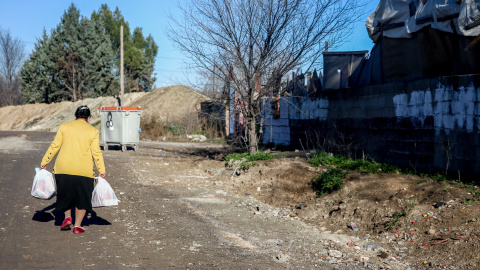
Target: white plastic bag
{"x": 103, "y": 194}
{"x": 43, "y": 185}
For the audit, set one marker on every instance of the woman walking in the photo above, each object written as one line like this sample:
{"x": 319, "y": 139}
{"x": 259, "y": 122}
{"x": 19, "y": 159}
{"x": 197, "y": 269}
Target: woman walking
{"x": 78, "y": 147}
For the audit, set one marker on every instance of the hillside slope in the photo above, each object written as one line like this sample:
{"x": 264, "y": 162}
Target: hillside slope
{"x": 167, "y": 103}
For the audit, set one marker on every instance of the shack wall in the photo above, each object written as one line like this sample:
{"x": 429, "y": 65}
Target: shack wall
{"x": 428, "y": 125}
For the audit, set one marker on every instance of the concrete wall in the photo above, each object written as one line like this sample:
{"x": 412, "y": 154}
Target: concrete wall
{"x": 426, "y": 125}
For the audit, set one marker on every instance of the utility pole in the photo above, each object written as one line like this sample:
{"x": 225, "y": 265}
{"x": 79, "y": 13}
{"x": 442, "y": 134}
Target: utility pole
{"x": 122, "y": 80}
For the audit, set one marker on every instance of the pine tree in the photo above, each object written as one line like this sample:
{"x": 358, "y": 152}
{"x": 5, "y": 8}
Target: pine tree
{"x": 102, "y": 61}
{"x": 38, "y": 73}
{"x": 68, "y": 43}
{"x": 73, "y": 63}
{"x": 139, "y": 53}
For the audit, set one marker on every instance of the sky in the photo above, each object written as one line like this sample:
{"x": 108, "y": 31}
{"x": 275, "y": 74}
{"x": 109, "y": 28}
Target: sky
{"x": 26, "y": 20}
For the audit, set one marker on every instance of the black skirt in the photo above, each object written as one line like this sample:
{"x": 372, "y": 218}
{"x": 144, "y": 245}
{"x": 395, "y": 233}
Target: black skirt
{"x": 74, "y": 191}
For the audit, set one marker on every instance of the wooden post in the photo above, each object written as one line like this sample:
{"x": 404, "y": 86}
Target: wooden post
{"x": 227, "y": 118}
{"x": 122, "y": 80}
{"x": 213, "y": 91}
{"x": 259, "y": 83}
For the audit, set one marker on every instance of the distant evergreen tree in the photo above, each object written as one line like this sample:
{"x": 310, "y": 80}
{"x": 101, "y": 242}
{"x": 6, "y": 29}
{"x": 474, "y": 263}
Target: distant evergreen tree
{"x": 73, "y": 63}
{"x": 38, "y": 73}
{"x": 85, "y": 56}
{"x": 139, "y": 52}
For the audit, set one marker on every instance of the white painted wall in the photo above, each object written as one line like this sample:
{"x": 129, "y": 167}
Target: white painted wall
{"x": 277, "y": 131}
{"x": 450, "y": 108}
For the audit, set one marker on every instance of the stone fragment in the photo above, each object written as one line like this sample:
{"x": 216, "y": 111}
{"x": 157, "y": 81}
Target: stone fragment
{"x": 335, "y": 253}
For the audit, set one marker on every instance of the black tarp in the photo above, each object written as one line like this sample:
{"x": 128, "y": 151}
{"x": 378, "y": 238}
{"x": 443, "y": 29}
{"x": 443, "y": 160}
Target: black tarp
{"x": 428, "y": 53}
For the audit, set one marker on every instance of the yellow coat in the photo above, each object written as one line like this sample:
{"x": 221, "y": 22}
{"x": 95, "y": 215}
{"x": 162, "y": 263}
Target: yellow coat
{"x": 79, "y": 147}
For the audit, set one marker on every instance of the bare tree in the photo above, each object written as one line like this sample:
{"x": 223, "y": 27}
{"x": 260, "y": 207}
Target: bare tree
{"x": 12, "y": 54}
{"x": 244, "y": 40}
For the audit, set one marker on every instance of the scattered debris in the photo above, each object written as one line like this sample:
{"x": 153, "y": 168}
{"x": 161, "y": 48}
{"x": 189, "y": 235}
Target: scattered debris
{"x": 439, "y": 204}
{"x": 197, "y": 138}
{"x": 383, "y": 255}
{"x": 446, "y": 239}
{"x": 282, "y": 257}
{"x": 473, "y": 220}
{"x": 335, "y": 253}
{"x": 371, "y": 246}
{"x": 363, "y": 259}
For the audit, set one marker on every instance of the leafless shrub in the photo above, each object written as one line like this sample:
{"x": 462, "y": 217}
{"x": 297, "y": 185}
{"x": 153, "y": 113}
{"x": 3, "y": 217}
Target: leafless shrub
{"x": 447, "y": 149}
{"x": 334, "y": 142}
{"x": 152, "y": 128}
{"x": 251, "y": 44}
{"x": 12, "y": 54}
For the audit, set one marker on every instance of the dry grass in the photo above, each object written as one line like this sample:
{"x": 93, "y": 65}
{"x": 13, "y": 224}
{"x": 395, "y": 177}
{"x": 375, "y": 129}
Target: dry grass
{"x": 152, "y": 128}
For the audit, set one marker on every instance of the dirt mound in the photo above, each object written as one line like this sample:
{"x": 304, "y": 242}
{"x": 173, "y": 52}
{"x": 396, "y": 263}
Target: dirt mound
{"x": 172, "y": 102}
{"x": 410, "y": 218}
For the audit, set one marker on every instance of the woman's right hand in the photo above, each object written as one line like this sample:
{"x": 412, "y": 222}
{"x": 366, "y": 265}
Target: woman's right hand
{"x": 43, "y": 167}
{"x": 102, "y": 175}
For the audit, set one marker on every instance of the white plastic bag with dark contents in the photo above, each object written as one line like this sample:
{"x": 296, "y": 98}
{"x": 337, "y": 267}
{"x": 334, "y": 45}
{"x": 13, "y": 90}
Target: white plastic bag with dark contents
{"x": 43, "y": 185}
{"x": 103, "y": 194}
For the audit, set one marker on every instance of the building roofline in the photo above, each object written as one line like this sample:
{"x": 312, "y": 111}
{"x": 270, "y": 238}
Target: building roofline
{"x": 346, "y": 53}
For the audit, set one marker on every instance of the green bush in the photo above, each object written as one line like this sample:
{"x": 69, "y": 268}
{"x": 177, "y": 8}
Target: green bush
{"x": 260, "y": 156}
{"x": 235, "y": 157}
{"x": 439, "y": 177}
{"x": 328, "y": 181}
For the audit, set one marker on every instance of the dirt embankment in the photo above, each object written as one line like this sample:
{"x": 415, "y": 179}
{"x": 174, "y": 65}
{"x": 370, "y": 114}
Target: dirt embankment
{"x": 167, "y": 103}
{"x": 406, "y": 220}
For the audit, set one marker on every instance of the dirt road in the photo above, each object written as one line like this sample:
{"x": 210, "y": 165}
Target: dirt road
{"x": 172, "y": 215}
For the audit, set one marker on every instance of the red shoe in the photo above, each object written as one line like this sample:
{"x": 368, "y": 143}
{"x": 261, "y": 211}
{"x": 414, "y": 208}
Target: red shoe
{"x": 66, "y": 224}
{"x": 78, "y": 230}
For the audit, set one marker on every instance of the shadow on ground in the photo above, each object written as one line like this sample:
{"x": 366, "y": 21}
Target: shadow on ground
{"x": 44, "y": 216}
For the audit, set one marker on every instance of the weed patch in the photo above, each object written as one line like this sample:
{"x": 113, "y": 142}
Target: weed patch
{"x": 359, "y": 165}
{"x": 395, "y": 219}
{"x": 176, "y": 130}
{"x": 247, "y": 159}
{"x": 439, "y": 177}
{"x": 468, "y": 201}
{"x": 367, "y": 166}
{"x": 328, "y": 181}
